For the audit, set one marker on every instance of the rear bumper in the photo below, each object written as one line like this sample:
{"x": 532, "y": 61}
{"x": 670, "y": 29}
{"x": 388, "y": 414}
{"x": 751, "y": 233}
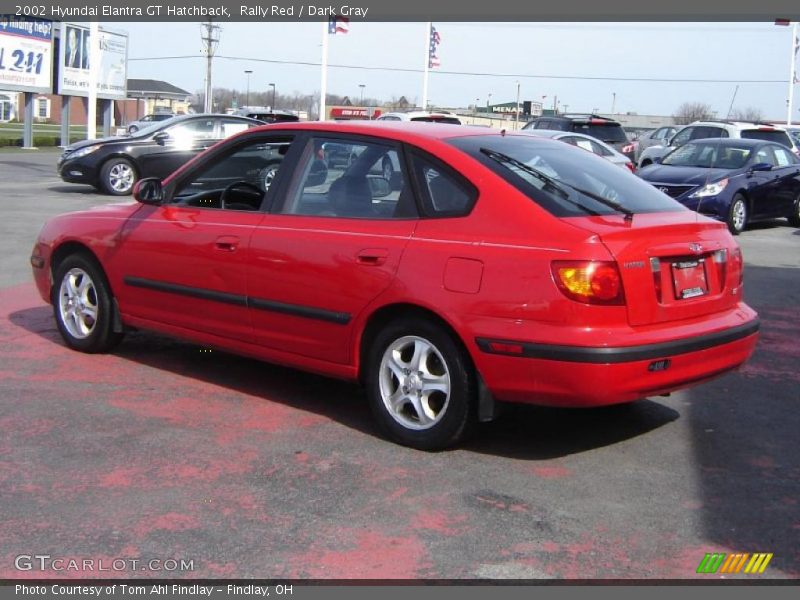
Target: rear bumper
{"x": 561, "y": 375}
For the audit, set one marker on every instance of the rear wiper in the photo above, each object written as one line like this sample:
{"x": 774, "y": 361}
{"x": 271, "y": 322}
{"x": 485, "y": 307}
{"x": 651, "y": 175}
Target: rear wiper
{"x": 558, "y": 184}
{"x": 547, "y": 181}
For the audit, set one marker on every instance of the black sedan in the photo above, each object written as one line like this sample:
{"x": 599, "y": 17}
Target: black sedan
{"x": 114, "y": 164}
{"x": 738, "y": 181}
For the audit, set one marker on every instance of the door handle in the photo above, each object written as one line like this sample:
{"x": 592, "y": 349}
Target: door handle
{"x": 372, "y": 257}
{"x": 227, "y": 243}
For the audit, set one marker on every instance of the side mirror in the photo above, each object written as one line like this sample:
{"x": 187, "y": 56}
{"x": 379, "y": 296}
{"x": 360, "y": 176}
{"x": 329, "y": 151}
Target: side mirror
{"x": 149, "y": 191}
{"x": 762, "y": 166}
{"x": 161, "y": 138}
{"x": 379, "y": 187}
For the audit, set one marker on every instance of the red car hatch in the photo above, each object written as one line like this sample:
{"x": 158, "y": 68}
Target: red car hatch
{"x": 671, "y": 270}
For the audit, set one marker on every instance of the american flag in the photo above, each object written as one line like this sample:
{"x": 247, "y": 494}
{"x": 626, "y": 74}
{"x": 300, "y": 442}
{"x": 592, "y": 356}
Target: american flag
{"x": 436, "y": 39}
{"x": 338, "y": 25}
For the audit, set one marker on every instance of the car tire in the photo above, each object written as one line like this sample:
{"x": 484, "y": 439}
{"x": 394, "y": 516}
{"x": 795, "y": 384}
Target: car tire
{"x": 421, "y": 385}
{"x": 794, "y": 218}
{"x": 737, "y": 214}
{"x": 645, "y": 163}
{"x": 118, "y": 176}
{"x": 83, "y": 305}
{"x": 133, "y": 129}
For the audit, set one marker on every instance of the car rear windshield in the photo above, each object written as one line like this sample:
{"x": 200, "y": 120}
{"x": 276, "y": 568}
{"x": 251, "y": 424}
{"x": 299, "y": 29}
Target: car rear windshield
{"x": 611, "y": 132}
{"x": 768, "y": 135}
{"x": 447, "y": 120}
{"x": 563, "y": 179}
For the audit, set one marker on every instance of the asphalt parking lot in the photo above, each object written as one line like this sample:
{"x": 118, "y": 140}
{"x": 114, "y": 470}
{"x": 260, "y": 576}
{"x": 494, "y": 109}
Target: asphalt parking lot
{"x": 163, "y": 451}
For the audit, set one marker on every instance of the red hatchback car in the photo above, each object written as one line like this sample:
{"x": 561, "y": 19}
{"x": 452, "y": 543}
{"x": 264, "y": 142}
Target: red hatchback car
{"x": 489, "y": 267}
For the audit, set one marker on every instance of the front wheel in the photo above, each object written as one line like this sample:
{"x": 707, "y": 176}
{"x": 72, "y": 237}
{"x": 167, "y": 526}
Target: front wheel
{"x": 118, "y": 176}
{"x": 83, "y": 305}
{"x": 421, "y": 385}
{"x": 737, "y": 215}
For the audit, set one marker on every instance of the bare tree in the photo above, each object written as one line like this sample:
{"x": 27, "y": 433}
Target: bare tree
{"x": 750, "y": 113}
{"x": 692, "y": 111}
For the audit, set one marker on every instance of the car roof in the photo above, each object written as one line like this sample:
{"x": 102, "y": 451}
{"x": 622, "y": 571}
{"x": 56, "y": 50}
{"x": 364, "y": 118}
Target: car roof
{"x": 395, "y": 129}
{"x": 741, "y": 142}
{"x": 737, "y": 125}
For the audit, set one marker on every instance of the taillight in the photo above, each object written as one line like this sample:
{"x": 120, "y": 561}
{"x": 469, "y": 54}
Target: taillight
{"x": 631, "y": 167}
{"x": 592, "y": 282}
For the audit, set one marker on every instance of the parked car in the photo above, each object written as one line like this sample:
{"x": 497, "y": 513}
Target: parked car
{"x": 507, "y": 267}
{"x": 114, "y": 164}
{"x": 699, "y": 130}
{"x": 735, "y": 181}
{"x": 656, "y": 137}
{"x": 421, "y": 116}
{"x": 268, "y": 115}
{"x": 586, "y": 142}
{"x": 148, "y": 120}
{"x": 602, "y": 128}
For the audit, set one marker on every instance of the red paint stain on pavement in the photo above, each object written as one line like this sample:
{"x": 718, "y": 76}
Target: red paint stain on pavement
{"x": 121, "y": 477}
{"x": 692, "y": 504}
{"x": 551, "y": 472}
{"x": 166, "y": 522}
{"x": 363, "y": 555}
{"x": 440, "y": 522}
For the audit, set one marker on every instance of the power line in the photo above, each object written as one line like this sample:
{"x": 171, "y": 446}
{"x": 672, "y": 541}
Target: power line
{"x": 470, "y": 73}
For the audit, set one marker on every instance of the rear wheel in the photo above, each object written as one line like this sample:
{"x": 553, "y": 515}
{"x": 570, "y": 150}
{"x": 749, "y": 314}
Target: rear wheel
{"x": 421, "y": 385}
{"x": 737, "y": 215}
{"x": 133, "y": 129}
{"x": 83, "y": 305}
{"x": 794, "y": 218}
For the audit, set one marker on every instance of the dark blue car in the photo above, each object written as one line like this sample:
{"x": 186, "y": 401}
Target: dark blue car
{"x": 738, "y": 181}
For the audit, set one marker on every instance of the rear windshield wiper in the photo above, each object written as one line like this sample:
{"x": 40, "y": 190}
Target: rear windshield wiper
{"x": 547, "y": 181}
{"x": 559, "y": 185}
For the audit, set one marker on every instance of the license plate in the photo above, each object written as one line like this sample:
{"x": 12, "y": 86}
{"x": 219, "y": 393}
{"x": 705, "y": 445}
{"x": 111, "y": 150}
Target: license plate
{"x": 689, "y": 278}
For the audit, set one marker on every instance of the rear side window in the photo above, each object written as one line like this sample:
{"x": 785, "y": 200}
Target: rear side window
{"x": 444, "y": 193}
{"x": 705, "y": 132}
{"x": 768, "y": 135}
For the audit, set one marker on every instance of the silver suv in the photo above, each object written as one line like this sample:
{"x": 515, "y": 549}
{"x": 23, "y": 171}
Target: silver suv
{"x": 754, "y": 130}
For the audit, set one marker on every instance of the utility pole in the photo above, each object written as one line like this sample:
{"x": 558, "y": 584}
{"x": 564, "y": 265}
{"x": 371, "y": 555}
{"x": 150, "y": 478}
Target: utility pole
{"x": 210, "y": 41}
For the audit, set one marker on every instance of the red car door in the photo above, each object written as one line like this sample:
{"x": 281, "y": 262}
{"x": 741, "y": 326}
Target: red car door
{"x": 330, "y": 247}
{"x": 184, "y": 264}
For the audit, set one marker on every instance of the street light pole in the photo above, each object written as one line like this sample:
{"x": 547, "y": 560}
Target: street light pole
{"x": 272, "y": 85}
{"x": 362, "y": 86}
{"x": 792, "y": 76}
{"x": 247, "y": 72}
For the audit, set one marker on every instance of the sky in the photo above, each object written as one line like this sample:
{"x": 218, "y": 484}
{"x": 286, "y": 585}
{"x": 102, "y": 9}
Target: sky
{"x": 548, "y": 59}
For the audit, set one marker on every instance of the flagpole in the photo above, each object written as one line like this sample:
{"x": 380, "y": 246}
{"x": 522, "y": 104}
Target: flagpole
{"x": 792, "y": 74}
{"x": 427, "y": 66}
{"x": 324, "y": 81}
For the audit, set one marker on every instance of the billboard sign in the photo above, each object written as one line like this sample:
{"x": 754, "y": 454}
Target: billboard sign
{"x": 74, "y": 63}
{"x": 26, "y": 54}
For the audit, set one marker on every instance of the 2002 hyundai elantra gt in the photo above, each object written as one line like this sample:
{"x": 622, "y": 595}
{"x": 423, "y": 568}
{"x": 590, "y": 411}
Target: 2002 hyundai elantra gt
{"x": 492, "y": 266}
